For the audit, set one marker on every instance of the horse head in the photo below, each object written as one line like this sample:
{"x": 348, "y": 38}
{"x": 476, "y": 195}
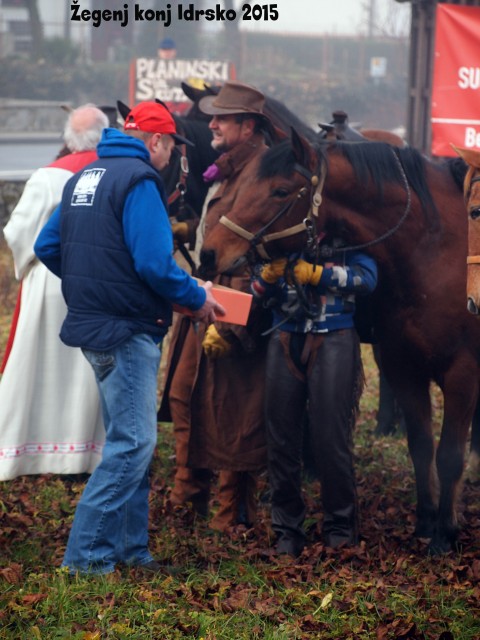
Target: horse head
{"x": 273, "y": 213}
{"x": 471, "y": 190}
{"x": 299, "y": 192}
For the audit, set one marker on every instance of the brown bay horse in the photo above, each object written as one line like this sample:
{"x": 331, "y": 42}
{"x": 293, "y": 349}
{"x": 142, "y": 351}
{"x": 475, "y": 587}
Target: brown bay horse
{"x": 472, "y": 201}
{"x": 409, "y": 213}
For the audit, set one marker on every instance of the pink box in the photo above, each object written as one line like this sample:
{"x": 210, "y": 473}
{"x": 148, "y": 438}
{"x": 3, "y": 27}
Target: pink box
{"x": 237, "y": 304}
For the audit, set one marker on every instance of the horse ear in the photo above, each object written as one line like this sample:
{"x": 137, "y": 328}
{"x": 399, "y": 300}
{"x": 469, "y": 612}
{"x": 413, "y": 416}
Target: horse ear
{"x": 471, "y": 156}
{"x": 301, "y": 148}
{"x": 192, "y": 93}
{"x": 211, "y": 90}
{"x": 123, "y": 109}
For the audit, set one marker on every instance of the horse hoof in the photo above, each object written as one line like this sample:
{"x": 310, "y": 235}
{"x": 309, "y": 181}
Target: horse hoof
{"x": 385, "y": 429}
{"x": 440, "y": 545}
{"x": 425, "y": 530}
{"x": 439, "y": 548}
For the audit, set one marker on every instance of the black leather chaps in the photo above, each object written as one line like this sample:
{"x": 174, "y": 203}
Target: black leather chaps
{"x": 320, "y": 374}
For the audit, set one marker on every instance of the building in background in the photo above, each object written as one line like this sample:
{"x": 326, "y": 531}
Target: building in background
{"x": 55, "y": 18}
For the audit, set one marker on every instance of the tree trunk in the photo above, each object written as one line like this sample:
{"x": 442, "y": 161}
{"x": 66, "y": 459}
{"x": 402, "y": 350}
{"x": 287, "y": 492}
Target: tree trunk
{"x": 233, "y": 37}
{"x": 36, "y": 28}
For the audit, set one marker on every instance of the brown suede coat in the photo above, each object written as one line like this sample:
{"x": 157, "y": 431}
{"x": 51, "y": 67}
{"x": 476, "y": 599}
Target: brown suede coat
{"x": 224, "y": 396}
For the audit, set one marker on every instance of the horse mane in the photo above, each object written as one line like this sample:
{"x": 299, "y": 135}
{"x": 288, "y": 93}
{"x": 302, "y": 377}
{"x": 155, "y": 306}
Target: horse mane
{"x": 383, "y": 163}
{"x": 458, "y": 170}
{"x": 375, "y": 161}
{"x": 278, "y": 160}
{"x": 284, "y": 119}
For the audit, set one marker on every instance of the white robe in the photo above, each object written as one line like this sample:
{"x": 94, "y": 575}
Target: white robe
{"x": 50, "y": 415}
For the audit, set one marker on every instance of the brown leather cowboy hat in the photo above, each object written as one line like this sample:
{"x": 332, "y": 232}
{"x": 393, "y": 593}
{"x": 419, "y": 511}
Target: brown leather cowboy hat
{"x": 233, "y": 98}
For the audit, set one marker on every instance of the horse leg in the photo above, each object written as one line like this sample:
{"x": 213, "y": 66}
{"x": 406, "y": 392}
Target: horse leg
{"x": 389, "y": 414}
{"x": 472, "y": 471}
{"x": 413, "y": 393}
{"x": 460, "y": 396}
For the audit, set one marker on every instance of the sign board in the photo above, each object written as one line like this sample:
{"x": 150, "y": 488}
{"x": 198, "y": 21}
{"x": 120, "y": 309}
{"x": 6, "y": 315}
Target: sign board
{"x": 152, "y": 78}
{"x": 378, "y": 67}
{"x": 455, "y": 114}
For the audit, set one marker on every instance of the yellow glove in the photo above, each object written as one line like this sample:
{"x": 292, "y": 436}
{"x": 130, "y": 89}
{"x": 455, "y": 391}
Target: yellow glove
{"x": 307, "y": 273}
{"x": 180, "y": 231}
{"x": 274, "y": 270}
{"x": 214, "y": 346}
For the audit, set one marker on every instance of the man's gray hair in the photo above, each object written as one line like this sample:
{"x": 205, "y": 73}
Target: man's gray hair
{"x": 84, "y": 127}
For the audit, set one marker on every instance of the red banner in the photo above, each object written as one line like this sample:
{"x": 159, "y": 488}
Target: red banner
{"x": 456, "y": 79}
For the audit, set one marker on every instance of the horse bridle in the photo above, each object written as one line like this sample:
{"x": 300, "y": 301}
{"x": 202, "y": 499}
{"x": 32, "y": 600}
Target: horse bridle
{"x": 181, "y": 186}
{"x": 259, "y": 239}
{"x": 317, "y": 181}
{"x": 472, "y": 259}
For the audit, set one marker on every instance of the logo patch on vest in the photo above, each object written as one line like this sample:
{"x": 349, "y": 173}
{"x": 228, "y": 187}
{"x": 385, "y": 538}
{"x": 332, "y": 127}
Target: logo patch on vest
{"x": 84, "y": 192}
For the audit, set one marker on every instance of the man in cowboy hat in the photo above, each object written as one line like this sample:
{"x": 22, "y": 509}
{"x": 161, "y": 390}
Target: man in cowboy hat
{"x": 215, "y": 388}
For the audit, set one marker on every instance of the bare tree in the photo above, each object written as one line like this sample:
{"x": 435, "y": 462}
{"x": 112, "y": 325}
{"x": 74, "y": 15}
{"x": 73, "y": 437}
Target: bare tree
{"x": 387, "y": 18}
{"x": 36, "y": 28}
{"x": 233, "y": 37}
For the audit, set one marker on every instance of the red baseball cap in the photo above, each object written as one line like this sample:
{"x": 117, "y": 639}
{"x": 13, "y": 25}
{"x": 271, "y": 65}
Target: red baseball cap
{"x": 153, "y": 117}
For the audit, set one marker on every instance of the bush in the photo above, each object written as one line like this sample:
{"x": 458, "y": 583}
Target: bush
{"x": 76, "y": 83}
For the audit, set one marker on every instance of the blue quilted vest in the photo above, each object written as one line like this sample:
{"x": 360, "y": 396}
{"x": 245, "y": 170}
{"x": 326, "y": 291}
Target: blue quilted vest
{"x": 106, "y": 299}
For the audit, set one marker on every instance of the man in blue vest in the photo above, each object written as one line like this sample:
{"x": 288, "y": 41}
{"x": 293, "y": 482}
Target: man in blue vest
{"x": 110, "y": 242}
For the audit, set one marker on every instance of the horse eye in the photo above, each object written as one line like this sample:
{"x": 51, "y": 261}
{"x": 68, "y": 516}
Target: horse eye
{"x": 280, "y": 193}
{"x": 475, "y": 214}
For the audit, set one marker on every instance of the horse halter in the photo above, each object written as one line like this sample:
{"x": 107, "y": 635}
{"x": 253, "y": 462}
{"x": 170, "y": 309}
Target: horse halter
{"x": 181, "y": 186}
{"x": 259, "y": 239}
{"x": 472, "y": 260}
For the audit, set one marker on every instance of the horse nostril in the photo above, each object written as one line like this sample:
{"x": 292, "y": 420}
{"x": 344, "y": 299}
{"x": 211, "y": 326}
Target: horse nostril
{"x": 472, "y": 307}
{"x": 207, "y": 263}
{"x": 475, "y": 214}
{"x": 207, "y": 258}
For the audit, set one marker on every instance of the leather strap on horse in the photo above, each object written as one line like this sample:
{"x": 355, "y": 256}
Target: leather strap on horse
{"x": 260, "y": 238}
{"x": 181, "y": 186}
{"x": 468, "y": 185}
{"x": 471, "y": 259}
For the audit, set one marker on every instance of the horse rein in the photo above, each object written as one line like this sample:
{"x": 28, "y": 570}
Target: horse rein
{"x": 472, "y": 260}
{"x": 260, "y": 238}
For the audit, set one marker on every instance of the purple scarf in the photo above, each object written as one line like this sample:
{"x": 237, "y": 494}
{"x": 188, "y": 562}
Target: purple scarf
{"x": 212, "y": 173}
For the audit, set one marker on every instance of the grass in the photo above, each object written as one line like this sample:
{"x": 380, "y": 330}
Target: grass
{"x": 231, "y": 587}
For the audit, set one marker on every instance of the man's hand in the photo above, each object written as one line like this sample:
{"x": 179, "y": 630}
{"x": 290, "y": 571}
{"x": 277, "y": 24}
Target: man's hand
{"x": 214, "y": 346}
{"x": 274, "y": 270}
{"x": 211, "y": 308}
{"x": 307, "y": 273}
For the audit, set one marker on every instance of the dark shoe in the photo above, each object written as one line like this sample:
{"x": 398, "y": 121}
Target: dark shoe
{"x": 289, "y": 547}
{"x": 336, "y": 540}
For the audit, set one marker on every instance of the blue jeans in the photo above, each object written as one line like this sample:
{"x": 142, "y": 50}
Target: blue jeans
{"x": 111, "y": 519}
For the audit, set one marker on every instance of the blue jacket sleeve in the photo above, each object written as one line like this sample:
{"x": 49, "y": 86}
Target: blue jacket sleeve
{"x": 148, "y": 235}
{"x": 358, "y": 275}
{"x": 47, "y": 246}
